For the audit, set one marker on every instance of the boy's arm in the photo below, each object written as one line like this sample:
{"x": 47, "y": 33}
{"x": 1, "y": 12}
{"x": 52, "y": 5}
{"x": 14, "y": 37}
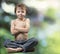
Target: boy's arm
{"x": 12, "y": 28}
{"x": 26, "y": 28}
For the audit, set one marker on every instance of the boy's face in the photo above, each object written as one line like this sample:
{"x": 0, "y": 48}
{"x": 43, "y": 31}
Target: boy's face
{"x": 20, "y": 12}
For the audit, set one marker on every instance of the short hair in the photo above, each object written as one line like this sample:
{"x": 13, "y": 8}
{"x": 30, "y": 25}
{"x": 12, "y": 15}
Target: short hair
{"x": 20, "y": 5}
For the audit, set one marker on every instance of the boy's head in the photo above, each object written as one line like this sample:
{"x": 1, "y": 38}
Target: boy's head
{"x": 20, "y": 10}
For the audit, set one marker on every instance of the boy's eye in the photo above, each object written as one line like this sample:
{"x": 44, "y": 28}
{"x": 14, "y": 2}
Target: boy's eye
{"x": 18, "y": 11}
{"x": 22, "y": 11}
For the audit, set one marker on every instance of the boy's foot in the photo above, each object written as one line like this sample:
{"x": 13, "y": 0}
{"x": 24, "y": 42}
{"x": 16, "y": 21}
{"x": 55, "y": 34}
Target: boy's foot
{"x": 19, "y": 49}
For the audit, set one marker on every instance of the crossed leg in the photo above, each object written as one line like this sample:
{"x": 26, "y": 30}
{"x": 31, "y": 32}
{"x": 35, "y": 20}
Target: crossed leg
{"x": 30, "y": 43}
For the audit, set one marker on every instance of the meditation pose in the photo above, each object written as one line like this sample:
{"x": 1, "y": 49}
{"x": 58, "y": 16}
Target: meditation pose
{"x": 20, "y": 28}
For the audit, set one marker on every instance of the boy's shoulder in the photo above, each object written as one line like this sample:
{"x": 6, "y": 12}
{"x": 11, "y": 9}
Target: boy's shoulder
{"x": 27, "y": 19}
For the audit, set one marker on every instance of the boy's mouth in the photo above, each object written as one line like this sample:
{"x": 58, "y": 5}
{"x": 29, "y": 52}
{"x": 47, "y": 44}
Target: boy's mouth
{"x": 20, "y": 15}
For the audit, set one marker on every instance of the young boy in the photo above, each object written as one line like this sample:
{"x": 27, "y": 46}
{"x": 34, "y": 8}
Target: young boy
{"x": 20, "y": 28}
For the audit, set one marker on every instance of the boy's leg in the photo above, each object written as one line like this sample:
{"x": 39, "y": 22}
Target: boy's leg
{"x": 11, "y": 44}
{"x": 30, "y": 43}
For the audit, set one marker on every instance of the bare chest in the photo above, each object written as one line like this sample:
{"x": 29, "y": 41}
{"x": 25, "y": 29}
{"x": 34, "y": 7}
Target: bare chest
{"x": 20, "y": 23}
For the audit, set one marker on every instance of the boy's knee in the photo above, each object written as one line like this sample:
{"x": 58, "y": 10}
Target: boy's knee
{"x": 35, "y": 40}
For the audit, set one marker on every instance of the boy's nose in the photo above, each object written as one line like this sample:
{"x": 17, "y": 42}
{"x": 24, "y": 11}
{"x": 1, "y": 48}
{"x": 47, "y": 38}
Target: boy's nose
{"x": 20, "y": 13}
